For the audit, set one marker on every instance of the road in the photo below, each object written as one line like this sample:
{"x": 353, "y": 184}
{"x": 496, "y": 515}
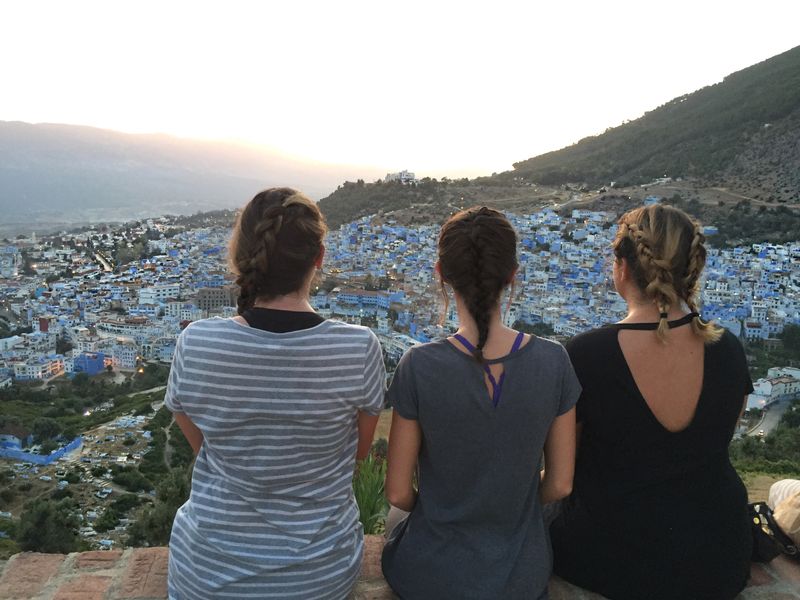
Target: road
{"x": 772, "y": 417}
{"x": 102, "y": 260}
{"x": 148, "y": 391}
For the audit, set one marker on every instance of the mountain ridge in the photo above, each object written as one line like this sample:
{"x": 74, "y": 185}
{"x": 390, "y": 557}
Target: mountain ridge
{"x": 74, "y": 173}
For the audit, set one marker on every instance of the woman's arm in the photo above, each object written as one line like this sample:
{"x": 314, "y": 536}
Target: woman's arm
{"x": 193, "y": 435}
{"x": 405, "y": 439}
{"x": 366, "y": 431}
{"x": 559, "y": 459}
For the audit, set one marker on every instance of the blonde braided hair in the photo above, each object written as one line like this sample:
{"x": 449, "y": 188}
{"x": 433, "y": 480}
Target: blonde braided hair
{"x": 664, "y": 249}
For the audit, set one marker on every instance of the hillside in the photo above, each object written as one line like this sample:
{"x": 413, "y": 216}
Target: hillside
{"x": 744, "y": 131}
{"x": 61, "y": 174}
{"x": 733, "y": 149}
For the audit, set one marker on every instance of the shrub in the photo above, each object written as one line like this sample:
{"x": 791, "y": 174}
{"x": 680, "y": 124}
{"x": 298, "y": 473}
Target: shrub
{"x": 368, "y": 490}
{"x": 133, "y": 481}
{"x": 61, "y": 494}
{"x": 379, "y": 448}
{"x": 48, "y": 526}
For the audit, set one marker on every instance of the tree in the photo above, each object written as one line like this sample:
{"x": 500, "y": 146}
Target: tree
{"x": 81, "y": 380}
{"x": 791, "y": 337}
{"x": 45, "y": 428}
{"x": 155, "y": 525}
{"x": 49, "y": 526}
{"x": 48, "y": 446}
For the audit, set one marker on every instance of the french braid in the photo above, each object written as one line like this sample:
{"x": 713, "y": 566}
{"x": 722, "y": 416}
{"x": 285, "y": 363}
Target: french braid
{"x": 477, "y": 256}
{"x": 276, "y": 240}
{"x": 665, "y": 250}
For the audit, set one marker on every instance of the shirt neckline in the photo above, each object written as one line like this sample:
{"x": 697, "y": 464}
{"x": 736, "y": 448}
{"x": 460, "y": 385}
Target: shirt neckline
{"x": 493, "y": 361}
{"x": 264, "y": 332}
{"x": 684, "y": 320}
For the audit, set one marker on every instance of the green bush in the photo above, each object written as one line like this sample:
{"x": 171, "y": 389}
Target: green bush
{"x": 60, "y": 494}
{"x": 108, "y": 520}
{"x": 49, "y": 526}
{"x": 125, "y": 503}
{"x": 133, "y": 481}
{"x": 368, "y": 489}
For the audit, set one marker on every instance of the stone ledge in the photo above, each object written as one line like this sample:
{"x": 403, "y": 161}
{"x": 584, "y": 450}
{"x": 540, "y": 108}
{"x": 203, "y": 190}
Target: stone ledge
{"x": 141, "y": 574}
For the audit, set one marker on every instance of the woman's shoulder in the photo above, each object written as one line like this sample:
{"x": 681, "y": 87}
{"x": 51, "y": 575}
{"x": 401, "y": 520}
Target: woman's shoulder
{"x": 727, "y": 347}
{"x": 592, "y": 340}
{"x": 206, "y": 327}
{"x": 335, "y": 327}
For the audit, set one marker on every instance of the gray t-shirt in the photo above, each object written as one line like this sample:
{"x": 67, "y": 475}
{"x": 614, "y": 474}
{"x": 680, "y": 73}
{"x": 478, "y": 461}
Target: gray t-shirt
{"x": 476, "y": 530}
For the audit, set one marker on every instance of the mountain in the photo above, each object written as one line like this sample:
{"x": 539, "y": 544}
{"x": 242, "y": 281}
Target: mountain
{"x": 65, "y": 174}
{"x": 743, "y": 131}
{"x": 734, "y": 142}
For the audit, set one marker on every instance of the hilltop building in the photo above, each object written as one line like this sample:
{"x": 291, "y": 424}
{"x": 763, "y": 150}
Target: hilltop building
{"x": 403, "y": 177}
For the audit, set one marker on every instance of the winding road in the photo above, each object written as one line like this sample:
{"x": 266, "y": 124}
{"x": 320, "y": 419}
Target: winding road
{"x": 772, "y": 416}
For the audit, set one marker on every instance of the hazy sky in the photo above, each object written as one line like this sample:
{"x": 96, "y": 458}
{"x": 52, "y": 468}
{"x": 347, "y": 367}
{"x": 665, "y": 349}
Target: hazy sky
{"x": 441, "y": 88}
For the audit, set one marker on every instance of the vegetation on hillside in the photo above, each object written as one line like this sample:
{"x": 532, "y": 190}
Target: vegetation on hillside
{"x": 778, "y": 453}
{"x": 695, "y": 135}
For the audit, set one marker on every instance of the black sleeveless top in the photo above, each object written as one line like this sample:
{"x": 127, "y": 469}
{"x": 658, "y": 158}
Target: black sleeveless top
{"x": 654, "y": 514}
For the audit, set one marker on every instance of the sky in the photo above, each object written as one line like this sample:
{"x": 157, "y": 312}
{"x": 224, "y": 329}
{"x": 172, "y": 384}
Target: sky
{"x": 440, "y": 88}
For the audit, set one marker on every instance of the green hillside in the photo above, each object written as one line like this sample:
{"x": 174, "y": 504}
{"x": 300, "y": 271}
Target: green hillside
{"x": 696, "y": 135}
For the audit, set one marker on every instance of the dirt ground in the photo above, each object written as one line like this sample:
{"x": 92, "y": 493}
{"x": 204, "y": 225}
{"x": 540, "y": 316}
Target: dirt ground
{"x": 758, "y": 486}
{"x": 384, "y": 423}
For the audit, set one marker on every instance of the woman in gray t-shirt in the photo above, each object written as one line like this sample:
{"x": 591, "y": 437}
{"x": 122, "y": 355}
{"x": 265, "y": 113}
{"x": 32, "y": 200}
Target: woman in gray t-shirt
{"x": 472, "y": 416}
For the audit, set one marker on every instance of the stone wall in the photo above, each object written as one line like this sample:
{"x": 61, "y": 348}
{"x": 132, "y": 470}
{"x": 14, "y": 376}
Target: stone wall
{"x": 141, "y": 574}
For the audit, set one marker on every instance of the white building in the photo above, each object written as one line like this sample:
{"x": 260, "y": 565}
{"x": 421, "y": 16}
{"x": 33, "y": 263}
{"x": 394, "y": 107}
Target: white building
{"x": 124, "y": 354}
{"x": 402, "y": 177}
{"x": 159, "y": 293}
{"x": 43, "y": 368}
{"x": 10, "y": 262}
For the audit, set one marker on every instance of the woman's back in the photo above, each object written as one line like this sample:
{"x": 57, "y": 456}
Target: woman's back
{"x": 657, "y": 509}
{"x": 271, "y": 510}
{"x": 476, "y": 529}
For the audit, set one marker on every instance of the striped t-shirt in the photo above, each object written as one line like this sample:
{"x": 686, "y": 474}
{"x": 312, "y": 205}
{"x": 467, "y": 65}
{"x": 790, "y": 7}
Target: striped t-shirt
{"x": 271, "y": 512}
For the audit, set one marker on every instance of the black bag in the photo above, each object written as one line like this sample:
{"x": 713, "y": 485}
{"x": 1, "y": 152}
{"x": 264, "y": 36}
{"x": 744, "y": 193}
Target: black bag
{"x": 768, "y": 539}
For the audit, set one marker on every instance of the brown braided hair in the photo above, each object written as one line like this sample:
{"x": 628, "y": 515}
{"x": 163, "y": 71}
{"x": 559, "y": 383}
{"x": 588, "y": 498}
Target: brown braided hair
{"x": 276, "y": 240}
{"x": 665, "y": 251}
{"x": 477, "y": 257}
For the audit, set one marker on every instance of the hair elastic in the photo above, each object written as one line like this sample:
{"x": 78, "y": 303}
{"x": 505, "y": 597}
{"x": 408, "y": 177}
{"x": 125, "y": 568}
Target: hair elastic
{"x": 663, "y": 315}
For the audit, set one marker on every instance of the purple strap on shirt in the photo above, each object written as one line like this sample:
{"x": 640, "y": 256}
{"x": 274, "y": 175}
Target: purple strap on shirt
{"x": 497, "y": 386}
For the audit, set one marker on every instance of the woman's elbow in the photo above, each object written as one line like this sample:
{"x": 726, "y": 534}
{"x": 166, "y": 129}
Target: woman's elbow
{"x": 563, "y": 489}
{"x": 394, "y": 496}
{"x": 556, "y": 490}
{"x": 399, "y": 495}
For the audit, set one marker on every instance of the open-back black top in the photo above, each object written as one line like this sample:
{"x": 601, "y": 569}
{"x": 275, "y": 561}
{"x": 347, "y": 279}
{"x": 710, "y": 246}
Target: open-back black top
{"x": 654, "y": 513}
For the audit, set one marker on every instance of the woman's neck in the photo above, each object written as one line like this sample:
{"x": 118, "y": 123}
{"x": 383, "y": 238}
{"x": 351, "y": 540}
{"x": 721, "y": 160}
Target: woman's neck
{"x": 295, "y": 302}
{"x": 648, "y": 312}
{"x": 467, "y": 326}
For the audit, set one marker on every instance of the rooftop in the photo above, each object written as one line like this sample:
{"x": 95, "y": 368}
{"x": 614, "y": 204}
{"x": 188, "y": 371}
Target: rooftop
{"x": 141, "y": 574}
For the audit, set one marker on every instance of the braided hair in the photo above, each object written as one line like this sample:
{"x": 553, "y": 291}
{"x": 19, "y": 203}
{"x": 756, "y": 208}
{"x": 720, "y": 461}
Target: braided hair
{"x": 276, "y": 240}
{"x": 477, "y": 257}
{"x": 665, "y": 251}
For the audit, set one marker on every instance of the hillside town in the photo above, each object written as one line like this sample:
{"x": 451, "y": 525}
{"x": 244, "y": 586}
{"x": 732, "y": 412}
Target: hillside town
{"x": 113, "y": 300}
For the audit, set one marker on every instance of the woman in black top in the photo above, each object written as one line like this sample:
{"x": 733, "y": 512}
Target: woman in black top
{"x": 657, "y": 510}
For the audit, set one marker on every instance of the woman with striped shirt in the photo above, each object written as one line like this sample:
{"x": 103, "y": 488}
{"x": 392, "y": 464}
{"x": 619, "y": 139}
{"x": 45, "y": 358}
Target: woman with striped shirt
{"x": 277, "y": 403}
